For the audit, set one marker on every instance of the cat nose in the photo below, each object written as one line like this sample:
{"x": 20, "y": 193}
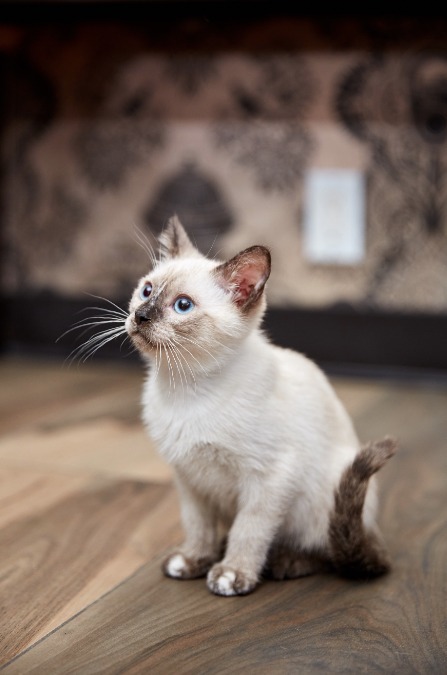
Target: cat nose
{"x": 141, "y": 316}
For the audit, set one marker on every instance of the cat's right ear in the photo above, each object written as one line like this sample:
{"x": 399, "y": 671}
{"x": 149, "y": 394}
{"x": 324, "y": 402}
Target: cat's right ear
{"x": 245, "y": 275}
{"x": 174, "y": 242}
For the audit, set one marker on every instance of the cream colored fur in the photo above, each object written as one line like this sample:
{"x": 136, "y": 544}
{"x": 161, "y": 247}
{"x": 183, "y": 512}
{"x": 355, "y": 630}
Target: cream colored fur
{"x": 257, "y": 436}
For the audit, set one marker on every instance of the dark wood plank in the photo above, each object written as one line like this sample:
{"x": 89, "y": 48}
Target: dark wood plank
{"x": 320, "y": 624}
{"x": 50, "y": 557}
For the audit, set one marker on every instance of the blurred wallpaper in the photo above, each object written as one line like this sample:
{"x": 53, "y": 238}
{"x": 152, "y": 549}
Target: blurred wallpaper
{"x": 110, "y": 129}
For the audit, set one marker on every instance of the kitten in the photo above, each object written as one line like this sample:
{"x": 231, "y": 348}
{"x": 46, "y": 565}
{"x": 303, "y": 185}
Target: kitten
{"x": 262, "y": 448}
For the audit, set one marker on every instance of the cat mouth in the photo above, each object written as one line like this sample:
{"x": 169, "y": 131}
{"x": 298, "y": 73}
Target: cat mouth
{"x": 141, "y": 340}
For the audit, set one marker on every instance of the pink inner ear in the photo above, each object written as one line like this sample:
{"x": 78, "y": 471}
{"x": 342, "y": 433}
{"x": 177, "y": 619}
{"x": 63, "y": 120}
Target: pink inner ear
{"x": 243, "y": 290}
{"x": 245, "y": 280}
{"x": 244, "y": 276}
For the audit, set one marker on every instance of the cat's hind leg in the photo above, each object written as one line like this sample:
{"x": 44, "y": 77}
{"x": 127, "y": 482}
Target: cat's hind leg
{"x": 354, "y": 551}
{"x": 285, "y": 562}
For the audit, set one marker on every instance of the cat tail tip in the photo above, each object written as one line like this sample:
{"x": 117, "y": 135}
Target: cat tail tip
{"x": 373, "y": 456}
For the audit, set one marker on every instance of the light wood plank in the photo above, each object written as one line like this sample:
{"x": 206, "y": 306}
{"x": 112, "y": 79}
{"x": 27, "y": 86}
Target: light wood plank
{"x": 24, "y": 491}
{"x": 99, "y": 447}
{"x": 47, "y": 394}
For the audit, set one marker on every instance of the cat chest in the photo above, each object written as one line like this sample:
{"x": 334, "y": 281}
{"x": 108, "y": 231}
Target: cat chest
{"x": 200, "y": 444}
{"x": 187, "y": 430}
{"x": 212, "y": 474}
{"x": 218, "y": 437}
{"x": 205, "y": 454}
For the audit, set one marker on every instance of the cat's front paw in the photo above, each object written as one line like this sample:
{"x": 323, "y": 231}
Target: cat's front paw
{"x": 179, "y": 566}
{"x": 224, "y": 580}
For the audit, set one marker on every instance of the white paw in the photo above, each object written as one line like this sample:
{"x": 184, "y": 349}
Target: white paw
{"x": 176, "y": 566}
{"x": 179, "y": 566}
{"x": 226, "y": 581}
{"x": 224, "y": 584}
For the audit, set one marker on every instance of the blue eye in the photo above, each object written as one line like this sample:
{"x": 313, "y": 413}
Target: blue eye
{"x": 146, "y": 290}
{"x": 183, "y": 305}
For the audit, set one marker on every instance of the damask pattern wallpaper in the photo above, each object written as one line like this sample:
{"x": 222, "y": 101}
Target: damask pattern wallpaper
{"x": 104, "y": 137}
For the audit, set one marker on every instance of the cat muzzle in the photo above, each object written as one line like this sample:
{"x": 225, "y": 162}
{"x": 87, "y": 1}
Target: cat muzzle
{"x": 146, "y": 313}
{"x": 141, "y": 316}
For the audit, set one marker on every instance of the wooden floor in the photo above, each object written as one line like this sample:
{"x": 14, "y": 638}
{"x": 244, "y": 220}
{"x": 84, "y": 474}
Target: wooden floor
{"x": 87, "y": 511}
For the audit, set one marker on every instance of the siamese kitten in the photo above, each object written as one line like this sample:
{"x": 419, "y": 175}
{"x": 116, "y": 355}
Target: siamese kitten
{"x": 263, "y": 450}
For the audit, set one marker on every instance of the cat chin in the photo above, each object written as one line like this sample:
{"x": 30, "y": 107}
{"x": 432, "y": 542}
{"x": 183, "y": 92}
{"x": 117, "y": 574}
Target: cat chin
{"x": 142, "y": 343}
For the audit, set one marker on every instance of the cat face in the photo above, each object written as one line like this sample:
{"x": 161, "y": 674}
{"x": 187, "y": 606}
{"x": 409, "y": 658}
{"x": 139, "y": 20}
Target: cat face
{"x": 194, "y": 310}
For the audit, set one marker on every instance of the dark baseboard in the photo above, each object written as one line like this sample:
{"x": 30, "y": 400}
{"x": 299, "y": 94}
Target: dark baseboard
{"x": 343, "y": 339}
{"x": 344, "y": 335}
{"x": 365, "y": 343}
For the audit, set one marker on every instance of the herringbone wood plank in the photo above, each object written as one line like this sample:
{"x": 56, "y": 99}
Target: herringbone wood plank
{"x": 82, "y": 545}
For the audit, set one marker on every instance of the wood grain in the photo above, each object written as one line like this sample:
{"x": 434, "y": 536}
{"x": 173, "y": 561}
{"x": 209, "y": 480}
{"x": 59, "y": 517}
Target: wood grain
{"x": 80, "y": 550}
{"x": 316, "y": 625}
{"x": 24, "y": 492}
{"x": 51, "y": 557}
{"x": 48, "y": 394}
{"x": 101, "y": 447}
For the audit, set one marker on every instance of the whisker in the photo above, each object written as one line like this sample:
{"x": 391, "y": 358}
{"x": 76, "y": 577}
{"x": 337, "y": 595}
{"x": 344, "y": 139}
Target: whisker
{"x": 126, "y": 337}
{"x": 180, "y": 364}
{"x": 94, "y": 349}
{"x": 157, "y": 361}
{"x": 86, "y": 324}
{"x": 103, "y": 338}
{"x": 174, "y": 359}
{"x": 169, "y": 369}
{"x": 201, "y": 347}
{"x": 160, "y": 357}
{"x": 90, "y": 346}
{"x": 162, "y": 248}
{"x": 98, "y": 337}
{"x": 145, "y": 244}
{"x": 155, "y": 367}
{"x": 178, "y": 356}
{"x": 98, "y": 320}
{"x": 168, "y": 347}
{"x": 215, "y": 255}
{"x": 130, "y": 347}
{"x": 99, "y": 297}
{"x": 111, "y": 321}
{"x": 105, "y": 310}
{"x": 212, "y": 245}
{"x": 179, "y": 345}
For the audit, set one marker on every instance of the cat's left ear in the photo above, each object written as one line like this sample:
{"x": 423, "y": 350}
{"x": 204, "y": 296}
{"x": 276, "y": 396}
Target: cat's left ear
{"x": 245, "y": 275}
{"x": 175, "y": 242}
